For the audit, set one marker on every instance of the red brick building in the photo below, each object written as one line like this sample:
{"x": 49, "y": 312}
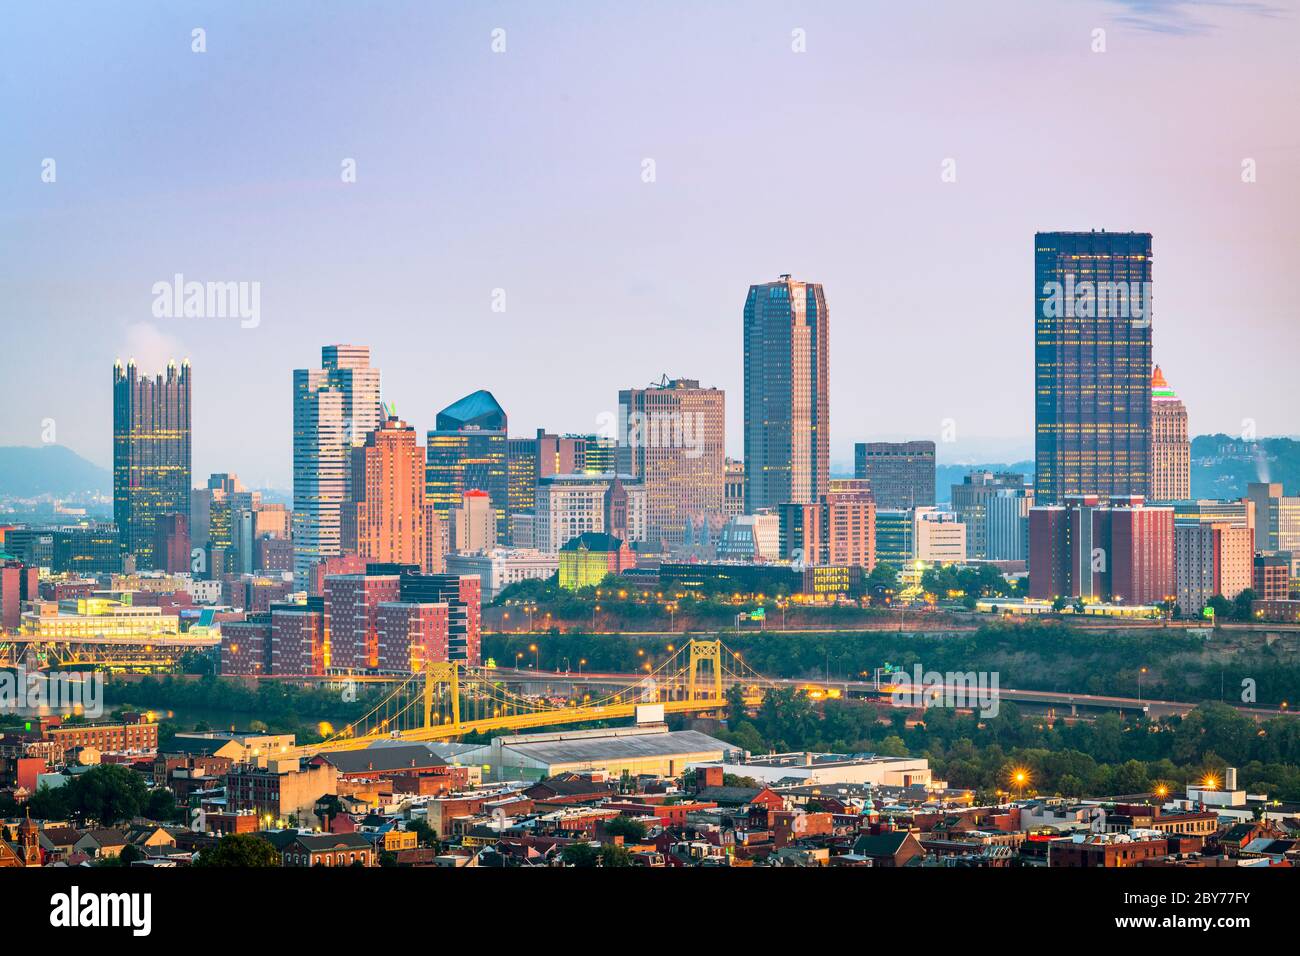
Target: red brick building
{"x": 18, "y": 583}
{"x": 351, "y": 616}
{"x": 298, "y": 638}
{"x": 1121, "y": 550}
{"x": 411, "y": 634}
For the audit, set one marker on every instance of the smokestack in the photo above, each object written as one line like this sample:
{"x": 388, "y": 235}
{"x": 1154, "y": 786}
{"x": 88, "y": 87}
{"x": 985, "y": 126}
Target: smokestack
{"x": 1230, "y": 779}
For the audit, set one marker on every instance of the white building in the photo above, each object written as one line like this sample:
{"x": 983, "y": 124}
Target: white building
{"x": 570, "y": 505}
{"x": 502, "y": 567}
{"x": 827, "y": 769}
{"x": 938, "y": 537}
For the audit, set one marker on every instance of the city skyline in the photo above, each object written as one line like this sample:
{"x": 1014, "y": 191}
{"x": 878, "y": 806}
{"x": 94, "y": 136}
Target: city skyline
{"x": 663, "y": 261}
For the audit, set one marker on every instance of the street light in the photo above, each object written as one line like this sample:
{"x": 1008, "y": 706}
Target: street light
{"x": 536, "y": 656}
{"x": 1141, "y": 671}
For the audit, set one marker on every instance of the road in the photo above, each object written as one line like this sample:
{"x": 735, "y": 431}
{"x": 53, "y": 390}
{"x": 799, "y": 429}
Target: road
{"x": 1060, "y": 699}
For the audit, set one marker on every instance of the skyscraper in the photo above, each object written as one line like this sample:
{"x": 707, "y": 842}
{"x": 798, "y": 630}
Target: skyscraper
{"x": 787, "y": 389}
{"x": 467, "y": 452}
{"x": 1171, "y": 453}
{"x": 671, "y": 437}
{"x": 151, "y": 453}
{"x": 384, "y": 520}
{"x": 532, "y": 458}
{"x": 901, "y": 474}
{"x": 971, "y": 500}
{"x": 1092, "y": 353}
{"x": 334, "y": 408}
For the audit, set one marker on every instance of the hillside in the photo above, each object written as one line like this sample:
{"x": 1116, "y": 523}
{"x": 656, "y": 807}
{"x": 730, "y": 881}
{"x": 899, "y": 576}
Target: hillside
{"x": 50, "y": 469}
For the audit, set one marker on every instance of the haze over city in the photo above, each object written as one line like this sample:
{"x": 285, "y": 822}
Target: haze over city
{"x": 523, "y": 171}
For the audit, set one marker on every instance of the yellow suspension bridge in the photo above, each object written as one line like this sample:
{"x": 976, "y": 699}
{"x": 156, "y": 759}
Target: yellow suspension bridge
{"x": 447, "y": 700}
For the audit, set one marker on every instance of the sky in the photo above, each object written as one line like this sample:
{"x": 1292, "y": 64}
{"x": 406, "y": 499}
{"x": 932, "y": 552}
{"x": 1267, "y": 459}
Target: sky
{"x": 519, "y": 177}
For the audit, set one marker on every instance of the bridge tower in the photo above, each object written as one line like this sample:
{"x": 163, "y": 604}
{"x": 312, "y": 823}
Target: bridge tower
{"x": 444, "y": 674}
{"x": 705, "y": 651}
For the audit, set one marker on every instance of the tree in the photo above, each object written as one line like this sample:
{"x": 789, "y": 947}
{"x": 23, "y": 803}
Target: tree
{"x": 423, "y": 832}
{"x": 611, "y": 855}
{"x": 241, "y": 850}
{"x": 629, "y": 829}
{"x": 108, "y": 793}
{"x": 51, "y": 803}
{"x": 161, "y": 805}
{"x": 580, "y": 854}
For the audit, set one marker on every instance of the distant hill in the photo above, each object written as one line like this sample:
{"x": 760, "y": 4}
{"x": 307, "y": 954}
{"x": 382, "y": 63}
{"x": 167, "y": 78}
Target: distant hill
{"x": 1222, "y": 465}
{"x": 50, "y": 470}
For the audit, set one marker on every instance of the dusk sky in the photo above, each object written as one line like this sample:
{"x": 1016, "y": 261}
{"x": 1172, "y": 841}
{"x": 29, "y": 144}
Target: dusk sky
{"x": 523, "y": 171}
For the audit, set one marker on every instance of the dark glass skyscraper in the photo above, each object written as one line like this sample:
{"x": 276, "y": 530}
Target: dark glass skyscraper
{"x": 901, "y": 473}
{"x": 1092, "y": 353}
{"x": 467, "y": 450}
{"x": 787, "y": 394}
{"x": 151, "y": 453}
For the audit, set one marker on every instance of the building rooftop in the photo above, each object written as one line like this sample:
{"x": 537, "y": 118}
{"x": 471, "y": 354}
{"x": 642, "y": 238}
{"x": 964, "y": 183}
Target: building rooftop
{"x": 609, "y": 746}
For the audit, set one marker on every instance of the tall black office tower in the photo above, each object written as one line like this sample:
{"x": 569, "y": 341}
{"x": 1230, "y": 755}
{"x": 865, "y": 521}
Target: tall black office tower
{"x": 151, "y": 453}
{"x": 1092, "y": 355}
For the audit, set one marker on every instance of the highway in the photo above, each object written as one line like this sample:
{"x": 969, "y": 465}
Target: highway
{"x": 1063, "y": 701}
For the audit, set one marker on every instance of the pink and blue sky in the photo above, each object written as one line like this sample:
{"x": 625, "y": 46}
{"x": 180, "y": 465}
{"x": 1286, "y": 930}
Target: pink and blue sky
{"x": 522, "y": 171}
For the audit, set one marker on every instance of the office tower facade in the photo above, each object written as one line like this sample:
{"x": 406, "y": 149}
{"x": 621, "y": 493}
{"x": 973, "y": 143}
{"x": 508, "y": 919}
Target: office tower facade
{"x": 1277, "y": 518}
{"x": 733, "y": 488}
{"x": 787, "y": 393}
{"x": 571, "y": 505}
{"x": 473, "y": 525}
{"x": 895, "y": 544}
{"x": 385, "y": 518}
{"x": 529, "y": 459}
{"x": 1092, "y": 355}
{"x": 970, "y": 502}
{"x": 172, "y": 543}
{"x": 1171, "y": 452}
{"x": 1121, "y": 550}
{"x": 96, "y": 548}
{"x": 671, "y": 438}
{"x": 938, "y": 537}
{"x": 1271, "y": 577}
{"x": 753, "y": 538}
{"x": 900, "y": 474}
{"x": 18, "y": 583}
{"x": 1211, "y": 558}
{"x": 1007, "y": 524}
{"x": 838, "y": 530}
{"x": 468, "y": 450}
{"x": 334, "y": 408}
{"x": 151, "y": 453}
{"x": 599, "y": 455}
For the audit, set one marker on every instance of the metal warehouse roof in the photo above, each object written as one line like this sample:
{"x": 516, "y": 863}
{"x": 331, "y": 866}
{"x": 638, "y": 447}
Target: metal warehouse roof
{"x": 616, "y": 748}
